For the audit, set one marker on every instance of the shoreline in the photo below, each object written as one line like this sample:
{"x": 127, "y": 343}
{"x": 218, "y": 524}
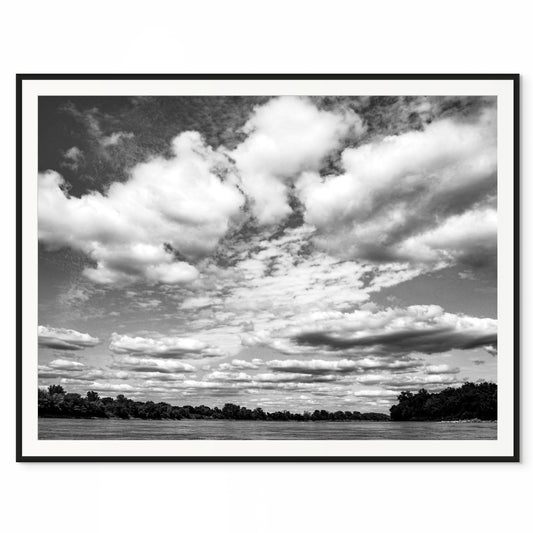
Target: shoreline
{"x": 458, "y": 421}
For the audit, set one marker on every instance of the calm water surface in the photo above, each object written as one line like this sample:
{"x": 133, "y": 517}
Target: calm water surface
{"x": 69, "y": 429}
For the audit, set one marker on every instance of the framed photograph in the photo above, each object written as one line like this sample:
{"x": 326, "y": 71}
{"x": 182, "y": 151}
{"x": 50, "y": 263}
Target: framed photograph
{"x": 268, "y": 267}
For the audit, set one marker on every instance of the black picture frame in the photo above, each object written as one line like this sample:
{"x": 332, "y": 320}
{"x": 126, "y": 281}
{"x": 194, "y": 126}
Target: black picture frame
{"x": 514, "y": 78}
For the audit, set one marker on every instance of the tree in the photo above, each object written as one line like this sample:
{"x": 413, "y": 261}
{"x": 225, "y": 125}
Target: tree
{"x": 471, "y": 400}
{"x": 230, "y": 410}
{"x": 56, "y": 389}
{"x": 59, "y": 403}
{"x": 258, "y": 414}
{"x": 92, "y": 396}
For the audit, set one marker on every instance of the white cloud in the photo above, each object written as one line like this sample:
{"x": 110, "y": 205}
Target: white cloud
{"x": 63, "y": 364}
{"x": 185, "y": 203}
{"x": 164, "y": 347}
{"x": 343, "y": 366}
{"x": 112, "y": 387}
{"x": 492, "y": 350}
{"x": 314, "y": 366}
{"x": 273, "y": 281}
{"x": 373, "y": 393}
{"x": 407, "y": 187}
{"x": 413, "y": 382}
{"x": 268, "y": 377}
{"x": 392, "y": 331}
{"x": 177, "y": 272}
{"x": 469, "y": 238}
{"x": 286, "y": 136}
{"x": 241, "y": 364}
{"x": 198, "y": 302}
{"x": 442, "y": 369}
{"x": 65, "y": 339}
{"x": 151, "y": 364}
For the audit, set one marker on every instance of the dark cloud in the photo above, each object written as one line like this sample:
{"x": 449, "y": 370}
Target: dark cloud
{"x": 434, "y": 340}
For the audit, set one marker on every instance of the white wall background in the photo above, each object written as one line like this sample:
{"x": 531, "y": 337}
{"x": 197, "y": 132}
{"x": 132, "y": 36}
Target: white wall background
{"x": 274, "y": 36}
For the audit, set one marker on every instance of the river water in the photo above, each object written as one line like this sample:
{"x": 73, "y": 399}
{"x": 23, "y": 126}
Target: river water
{"x": 81, "y": 429}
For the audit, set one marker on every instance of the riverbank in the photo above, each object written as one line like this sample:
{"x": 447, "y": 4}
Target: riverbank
{"x": 468, "y": 421}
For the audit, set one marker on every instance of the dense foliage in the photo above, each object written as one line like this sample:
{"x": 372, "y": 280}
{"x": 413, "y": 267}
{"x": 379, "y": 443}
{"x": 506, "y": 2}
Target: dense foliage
{"x": 464, "y": 403}
{"x": 57, "y": 403}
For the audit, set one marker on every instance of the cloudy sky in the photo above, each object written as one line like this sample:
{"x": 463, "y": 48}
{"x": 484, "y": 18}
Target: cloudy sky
{"x": 284, "y": 252}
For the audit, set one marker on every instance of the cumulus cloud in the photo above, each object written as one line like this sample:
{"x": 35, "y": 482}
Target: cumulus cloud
{"x": 273, "y": 281}
{"x": 79, "y": 374}
{"x": 162, "y": 347}
{"x": 398, "y": 194}
{"x": 239, "y": 364}
{"x": 152, "y": 364}
{"x": 45, "y": 372}
{"x": 430, "y": 340}
{"x": 285, "y": 137}
{"x": 374, "y": 393}
{"x": 393, "y": 331}
{"x": 343, "y": 366}
{"x": 63, "y": 369}
{"x": 273, "y": 377}
{"x": 468, "y": 238}
{"x": 63, "y": 364}
{"x": 442, "y": 369}
{"x": 112, "y": 387}
{"x": 169, "y": 208}
{"x": 411, "y": 382}
{"x": 65, "y": 339}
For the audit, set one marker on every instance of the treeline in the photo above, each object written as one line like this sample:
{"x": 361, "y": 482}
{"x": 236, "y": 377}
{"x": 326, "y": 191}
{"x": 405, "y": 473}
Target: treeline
{"x": 55, "y": 402}
{"x": 470, "y": 401}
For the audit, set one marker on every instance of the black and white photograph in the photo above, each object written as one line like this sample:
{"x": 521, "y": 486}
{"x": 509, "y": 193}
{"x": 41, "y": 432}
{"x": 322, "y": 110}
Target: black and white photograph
{"x": 266, "y": 267}
{"x": 319, "y": 267}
